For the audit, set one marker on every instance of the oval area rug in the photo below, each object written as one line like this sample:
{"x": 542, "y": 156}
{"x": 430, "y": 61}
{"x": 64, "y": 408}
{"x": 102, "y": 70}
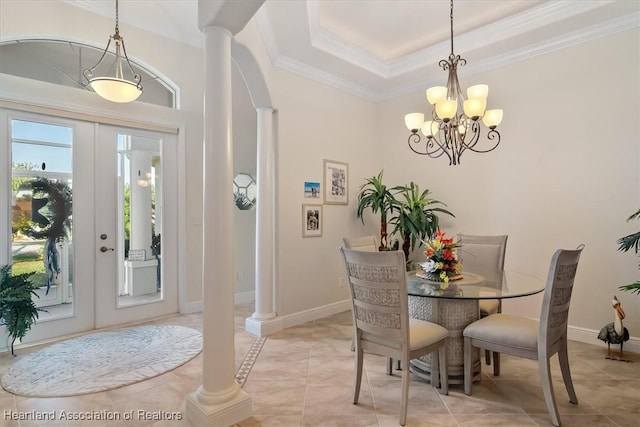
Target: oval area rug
{"x": 102, "y": 361}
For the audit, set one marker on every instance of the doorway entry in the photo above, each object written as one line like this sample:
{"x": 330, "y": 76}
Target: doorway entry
{"x": 91, "y": 211}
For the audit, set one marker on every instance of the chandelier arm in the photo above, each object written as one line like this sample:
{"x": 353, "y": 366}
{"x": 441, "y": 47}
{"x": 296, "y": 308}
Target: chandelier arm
{"x": 454, "y": 145}
{"x": 88, "y": 72}
{"x": 491, "y": 135}
{"x": 473, "y": 140}
{"x": 462, "y": 139}
{"x": 136, "y": 76}
{"x": 414, "y": 138}
{"x": 441, "y": 148}
{"x": 436, "y": 137}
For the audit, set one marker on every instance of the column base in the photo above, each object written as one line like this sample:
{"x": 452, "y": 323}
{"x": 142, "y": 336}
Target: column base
{"x": 263, "y": 327}
{"x": 218, "y": 415}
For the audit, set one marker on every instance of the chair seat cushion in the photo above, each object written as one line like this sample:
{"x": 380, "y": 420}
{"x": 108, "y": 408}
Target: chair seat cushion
{"x": 423, "y": 333}
{"x": 488, "y": 306}
{"x": 505, "y": 329}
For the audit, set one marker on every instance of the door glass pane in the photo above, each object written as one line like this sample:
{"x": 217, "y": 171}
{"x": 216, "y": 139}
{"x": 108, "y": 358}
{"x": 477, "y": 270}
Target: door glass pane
{"x": 140, "y": 219}
{"x": 41, "y": 213}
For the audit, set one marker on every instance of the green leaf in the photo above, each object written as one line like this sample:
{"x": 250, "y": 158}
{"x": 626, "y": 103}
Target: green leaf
{"x": 632, "y": 287}
{"x": 376, "y": 196}
{"x": 17, "y": 309}
{"x": 626, "y": 243}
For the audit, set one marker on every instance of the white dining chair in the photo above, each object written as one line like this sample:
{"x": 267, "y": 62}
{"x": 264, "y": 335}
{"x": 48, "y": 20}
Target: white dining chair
{"x": 532, "y": 339}
{"x": 484, "y": 255}
{"x": 378, "y": 289}
{"x": 364, "y": 243}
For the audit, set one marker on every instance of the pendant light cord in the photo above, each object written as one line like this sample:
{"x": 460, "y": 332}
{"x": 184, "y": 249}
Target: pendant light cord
{"x": 118, "y": 30}
{"x": 450, "y": 16}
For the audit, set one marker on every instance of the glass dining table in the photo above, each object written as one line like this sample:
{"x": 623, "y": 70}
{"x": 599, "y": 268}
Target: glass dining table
{"x": 455, "y": 305}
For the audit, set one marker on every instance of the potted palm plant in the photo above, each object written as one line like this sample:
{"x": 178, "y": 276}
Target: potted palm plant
{"x": 417, "y": 218}
{"x": 17, "y": 309}
{"x": 376, "y": 196}
{"x": 626, "y": 243}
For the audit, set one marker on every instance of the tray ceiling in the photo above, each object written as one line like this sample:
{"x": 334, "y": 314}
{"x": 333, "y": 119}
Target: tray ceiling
{"x": 384, "y": 49}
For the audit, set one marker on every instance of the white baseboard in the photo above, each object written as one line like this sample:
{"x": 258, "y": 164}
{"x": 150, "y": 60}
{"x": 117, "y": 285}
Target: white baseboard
{"x": 590, "y": 336}
{"x": 315, "y": 313}
{"x": 263, "y": 327}
{"x": 267, "y": 327}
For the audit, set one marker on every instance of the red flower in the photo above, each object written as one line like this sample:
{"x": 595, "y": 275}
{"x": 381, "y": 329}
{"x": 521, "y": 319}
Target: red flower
{"x": 447, "y": 254}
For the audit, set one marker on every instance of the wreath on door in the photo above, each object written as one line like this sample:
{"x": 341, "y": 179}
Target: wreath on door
{"x": 51, "y": 209}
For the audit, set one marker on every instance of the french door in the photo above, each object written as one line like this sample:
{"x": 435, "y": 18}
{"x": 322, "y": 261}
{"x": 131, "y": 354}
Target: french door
{"x": 136, "y": 268}
{"x": 91, "y": 211}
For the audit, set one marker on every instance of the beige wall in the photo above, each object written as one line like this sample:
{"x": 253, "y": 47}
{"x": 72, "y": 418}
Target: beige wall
{"x": 316, "y": 122}
{"x": 567, "y": 170}
{"x": 313, "y": 122}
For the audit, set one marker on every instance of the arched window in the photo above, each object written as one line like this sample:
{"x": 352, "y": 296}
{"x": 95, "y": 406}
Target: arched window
{"x": 62, "y": 62}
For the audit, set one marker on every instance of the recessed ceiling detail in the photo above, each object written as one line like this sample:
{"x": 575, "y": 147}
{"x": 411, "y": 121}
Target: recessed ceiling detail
{"x": 384, "y": 49}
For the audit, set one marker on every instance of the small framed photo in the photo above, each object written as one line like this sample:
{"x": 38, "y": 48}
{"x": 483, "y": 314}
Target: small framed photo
{"x": 311, "y": 190}
{"x": 336, "y": 183}
{"x": 311, "y": 220}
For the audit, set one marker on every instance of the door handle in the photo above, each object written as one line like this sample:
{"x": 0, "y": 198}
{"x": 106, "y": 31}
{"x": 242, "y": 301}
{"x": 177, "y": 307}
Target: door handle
{"x": 105, "y": 249}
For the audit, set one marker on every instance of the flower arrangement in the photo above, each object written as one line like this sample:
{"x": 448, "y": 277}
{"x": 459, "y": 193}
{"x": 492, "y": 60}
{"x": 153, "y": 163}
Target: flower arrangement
{"x": 442, "y": 259}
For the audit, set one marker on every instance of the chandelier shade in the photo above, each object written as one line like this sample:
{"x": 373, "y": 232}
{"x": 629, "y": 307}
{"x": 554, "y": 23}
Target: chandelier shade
{"x": 454, "y": 126}
{"x": 117, "y": 88}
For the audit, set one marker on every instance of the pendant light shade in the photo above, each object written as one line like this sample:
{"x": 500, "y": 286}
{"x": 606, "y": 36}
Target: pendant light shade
{"x": 116, "y": 88}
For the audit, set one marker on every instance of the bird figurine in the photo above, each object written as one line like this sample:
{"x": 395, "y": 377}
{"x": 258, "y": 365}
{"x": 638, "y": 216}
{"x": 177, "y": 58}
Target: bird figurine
{"x": 615, "y": 332}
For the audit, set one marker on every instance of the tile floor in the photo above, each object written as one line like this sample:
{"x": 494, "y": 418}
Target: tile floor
{"x": 303, "y": 377}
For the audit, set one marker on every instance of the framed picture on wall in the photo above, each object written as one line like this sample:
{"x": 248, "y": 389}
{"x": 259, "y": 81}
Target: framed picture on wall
{"x": 311, "y": 220}
{"x": 311, "y": 190}
{"x": 336, "y": 183}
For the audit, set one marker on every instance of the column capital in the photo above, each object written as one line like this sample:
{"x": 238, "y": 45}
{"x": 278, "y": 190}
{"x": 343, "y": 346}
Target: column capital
{"x": 230, "y": 14}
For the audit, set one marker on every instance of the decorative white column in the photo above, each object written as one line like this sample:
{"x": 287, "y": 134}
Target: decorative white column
{"x": 219, "y": 401}
{"x": 264, "y": 320}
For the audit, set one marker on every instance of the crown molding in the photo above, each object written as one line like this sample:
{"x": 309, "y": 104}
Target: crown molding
{"x": 556, "y": 11}
{"x": 426, "y": 59}
{"x": 324, "y": 77}
{"x": 504, "y": 29}
{"x": 613, "y": 26}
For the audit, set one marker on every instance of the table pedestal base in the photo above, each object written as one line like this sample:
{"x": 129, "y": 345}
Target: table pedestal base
{"x": 455, "y": 315}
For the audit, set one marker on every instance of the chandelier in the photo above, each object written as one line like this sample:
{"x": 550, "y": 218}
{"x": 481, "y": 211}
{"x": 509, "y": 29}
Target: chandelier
{"x": 116, "y": 89}
{"x": 450, "y": 131}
